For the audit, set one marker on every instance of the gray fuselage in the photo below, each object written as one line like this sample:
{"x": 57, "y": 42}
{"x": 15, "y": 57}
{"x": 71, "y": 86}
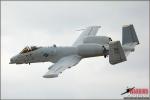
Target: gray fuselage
{"x": 53, "y": 54}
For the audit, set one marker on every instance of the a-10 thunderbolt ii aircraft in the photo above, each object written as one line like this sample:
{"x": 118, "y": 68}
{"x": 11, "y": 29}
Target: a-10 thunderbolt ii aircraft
{"x": 87, "y": 45}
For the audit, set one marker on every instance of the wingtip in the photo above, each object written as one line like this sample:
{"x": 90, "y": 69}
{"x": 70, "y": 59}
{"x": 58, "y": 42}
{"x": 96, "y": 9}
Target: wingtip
{"x": 50, "y": 76}
{"x": 96, "y": 26}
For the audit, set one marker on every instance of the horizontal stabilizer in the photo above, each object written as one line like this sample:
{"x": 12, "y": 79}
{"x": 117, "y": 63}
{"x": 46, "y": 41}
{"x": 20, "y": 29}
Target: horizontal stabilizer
{"x": 116, "y": 53}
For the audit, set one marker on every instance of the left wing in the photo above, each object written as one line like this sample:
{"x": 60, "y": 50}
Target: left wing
{"x": 90, "y": 31}
{"x": 61, "y": 65}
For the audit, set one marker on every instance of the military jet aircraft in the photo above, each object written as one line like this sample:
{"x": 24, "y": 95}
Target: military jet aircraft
{"x": 87, "y": 45}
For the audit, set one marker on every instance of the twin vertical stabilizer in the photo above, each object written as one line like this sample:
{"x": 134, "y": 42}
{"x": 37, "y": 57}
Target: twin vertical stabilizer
{"x": 118, "y": 53}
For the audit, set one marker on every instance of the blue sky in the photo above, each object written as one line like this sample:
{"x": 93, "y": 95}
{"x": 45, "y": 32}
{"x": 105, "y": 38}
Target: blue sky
{"x": 55, "y": 22}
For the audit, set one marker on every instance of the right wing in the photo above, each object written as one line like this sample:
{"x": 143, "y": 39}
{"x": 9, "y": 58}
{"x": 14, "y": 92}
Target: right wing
{"x": 61, "y": 65}
{"x": 90, "y": 31}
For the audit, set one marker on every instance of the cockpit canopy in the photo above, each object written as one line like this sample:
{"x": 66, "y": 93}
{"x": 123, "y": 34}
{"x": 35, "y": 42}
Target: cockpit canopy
{"x": 28, "y": 49}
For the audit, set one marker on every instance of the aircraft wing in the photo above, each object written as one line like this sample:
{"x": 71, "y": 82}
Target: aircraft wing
{"x": 61, "y": 65}
{"x": 89, "y": 31}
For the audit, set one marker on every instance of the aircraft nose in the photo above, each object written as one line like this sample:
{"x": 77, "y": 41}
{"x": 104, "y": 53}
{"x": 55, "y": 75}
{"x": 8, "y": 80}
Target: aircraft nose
{"x": 13, "y": 60}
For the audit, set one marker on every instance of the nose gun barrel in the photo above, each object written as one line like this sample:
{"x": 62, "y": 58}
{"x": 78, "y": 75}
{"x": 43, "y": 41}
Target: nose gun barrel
{"x": 12, "y": 61}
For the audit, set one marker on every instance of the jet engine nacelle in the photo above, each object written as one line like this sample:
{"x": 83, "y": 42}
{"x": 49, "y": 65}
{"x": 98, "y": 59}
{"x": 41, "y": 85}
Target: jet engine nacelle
{"x": 103, "y": 40}
{"x": 89, "y": 50}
